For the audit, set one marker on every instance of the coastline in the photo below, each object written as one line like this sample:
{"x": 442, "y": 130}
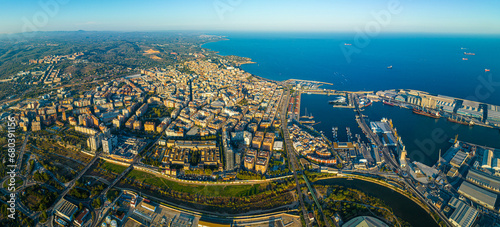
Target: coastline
{"x": 285, "y": 61}
{"x": 435, "y": 215}
{"x": 367, "y": 179}
{"x": 239, "y": 64}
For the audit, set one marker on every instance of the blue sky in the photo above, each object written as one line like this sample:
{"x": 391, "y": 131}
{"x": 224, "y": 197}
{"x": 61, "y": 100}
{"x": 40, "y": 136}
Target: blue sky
{"x": 426, "y": 16}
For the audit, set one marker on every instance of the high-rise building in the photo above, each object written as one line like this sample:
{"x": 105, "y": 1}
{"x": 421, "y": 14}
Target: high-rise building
{"x": 94, "y": 142}
{"x": 109, "y": 143}
{"x": 237, "y": 160}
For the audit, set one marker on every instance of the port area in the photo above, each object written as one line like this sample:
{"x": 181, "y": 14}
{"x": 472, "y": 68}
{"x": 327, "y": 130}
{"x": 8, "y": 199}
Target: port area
{"x": 465, "y": 179}
{"x": 459, "y": 111}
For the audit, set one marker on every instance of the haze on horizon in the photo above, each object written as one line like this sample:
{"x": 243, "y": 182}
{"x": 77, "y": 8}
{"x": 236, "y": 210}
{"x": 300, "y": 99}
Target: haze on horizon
{"x": 422, "y": 16}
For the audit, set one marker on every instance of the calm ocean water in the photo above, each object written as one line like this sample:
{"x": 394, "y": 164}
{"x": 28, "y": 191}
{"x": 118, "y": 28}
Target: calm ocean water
{"x": 428, "y": 63}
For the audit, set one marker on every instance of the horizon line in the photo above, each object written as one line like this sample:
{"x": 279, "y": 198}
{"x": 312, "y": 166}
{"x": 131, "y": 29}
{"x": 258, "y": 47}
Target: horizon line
{"x": 258, "y": 31}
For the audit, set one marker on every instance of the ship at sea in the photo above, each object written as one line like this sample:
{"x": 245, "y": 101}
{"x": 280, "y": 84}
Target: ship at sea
{"x": 426, "y": 113}
{"x": 389, "y": 67}
{"x": 469, "y": 53}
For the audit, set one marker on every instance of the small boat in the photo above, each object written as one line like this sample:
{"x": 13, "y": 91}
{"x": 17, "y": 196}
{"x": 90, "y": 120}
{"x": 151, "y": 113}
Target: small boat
{"x": 349, "y": 134}
{"x": 389, "y": 67}
{"x": 469, "y": 53}
{"x": 486, "y": 70}
{"x": 334, "y": 132}
{"x": 347, "y": 44}
{"x": 465, "y": 59}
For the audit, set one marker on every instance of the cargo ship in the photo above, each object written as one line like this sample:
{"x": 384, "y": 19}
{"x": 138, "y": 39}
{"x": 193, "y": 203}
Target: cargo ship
{"x": 469, "y": 53}
{"x": 461, "y": 121}
{"x": 426, "y": 113}
{"x": 486, "y": 70}
{"x": 465, "y": 59}
{"x": 364, "y": 102}
{"x": 389, "y": 103}
{"x": 368, "y": 104}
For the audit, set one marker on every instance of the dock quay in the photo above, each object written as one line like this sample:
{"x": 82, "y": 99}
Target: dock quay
{"x": 483, "y": 114}
{"x": 309, "y": 81}
{"x": 333, "y": 92}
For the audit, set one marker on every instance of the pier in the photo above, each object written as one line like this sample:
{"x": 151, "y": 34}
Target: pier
{"x": 333, "y": 92}
{"x": 309, "y": 81}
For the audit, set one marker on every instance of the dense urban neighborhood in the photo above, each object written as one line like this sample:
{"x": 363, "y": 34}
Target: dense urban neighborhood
{"x": 152, "y": 129}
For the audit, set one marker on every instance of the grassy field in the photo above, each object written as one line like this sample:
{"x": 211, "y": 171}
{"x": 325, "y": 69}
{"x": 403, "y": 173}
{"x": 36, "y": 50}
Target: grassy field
{"x": 112, "y": 167}
{"x": 206, "y": 190}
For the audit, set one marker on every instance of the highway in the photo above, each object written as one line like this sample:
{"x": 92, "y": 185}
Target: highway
{"x": 21, "y": 153}
{"x": 292, "y": 163}
{"x": 291, "y": 153}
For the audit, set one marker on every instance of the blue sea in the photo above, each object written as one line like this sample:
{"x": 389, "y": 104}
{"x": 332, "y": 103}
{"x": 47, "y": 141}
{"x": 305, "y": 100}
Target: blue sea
{"x": 432, "y": 63}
